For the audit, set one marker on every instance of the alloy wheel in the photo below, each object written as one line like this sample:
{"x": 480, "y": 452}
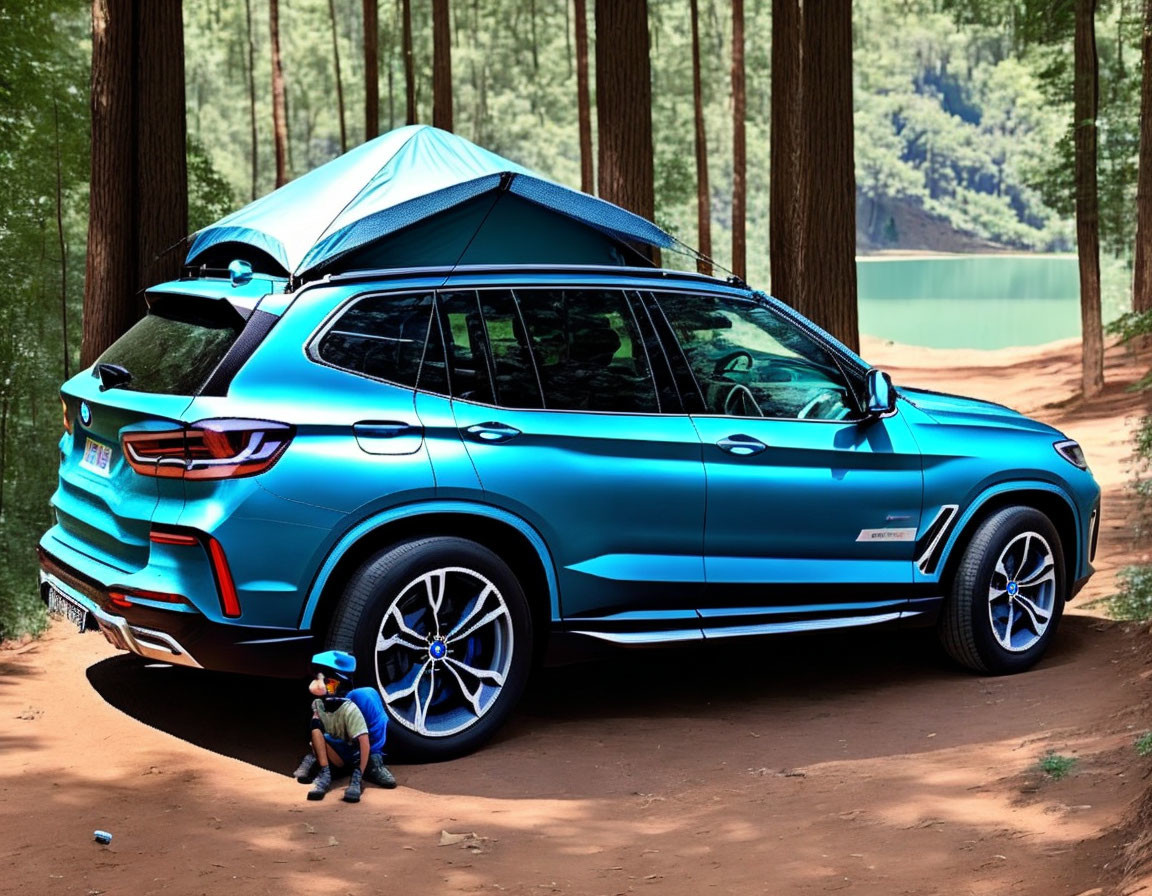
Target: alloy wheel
{"x": 443, "y": 651}
{"x": 1022, "y": 592}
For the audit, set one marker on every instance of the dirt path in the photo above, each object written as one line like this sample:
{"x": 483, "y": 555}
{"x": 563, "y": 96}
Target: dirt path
{"x": 856, "y": 765}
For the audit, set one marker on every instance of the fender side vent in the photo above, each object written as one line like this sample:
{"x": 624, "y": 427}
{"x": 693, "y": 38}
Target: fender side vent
{"x": 932, "y": 542}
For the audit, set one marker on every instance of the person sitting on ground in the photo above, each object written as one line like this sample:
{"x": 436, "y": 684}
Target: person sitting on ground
{"x": 349, "y": 729}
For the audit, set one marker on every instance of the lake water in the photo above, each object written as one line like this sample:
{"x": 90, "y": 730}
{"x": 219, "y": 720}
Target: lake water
{"x": 975, "y": 301}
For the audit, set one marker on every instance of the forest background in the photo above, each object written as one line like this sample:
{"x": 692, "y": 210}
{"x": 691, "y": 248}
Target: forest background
{"x": 963, "y": 141}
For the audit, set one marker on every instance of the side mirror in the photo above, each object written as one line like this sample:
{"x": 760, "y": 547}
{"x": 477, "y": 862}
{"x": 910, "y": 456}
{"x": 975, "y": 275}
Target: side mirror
{"x": 240, "y": 272}
{"x": 881, "y": 393}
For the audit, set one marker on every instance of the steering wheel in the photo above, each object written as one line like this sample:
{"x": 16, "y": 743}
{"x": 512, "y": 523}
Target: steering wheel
{"x": 743, "y": 395}
{"x": 815, "y": 402}
{"x": 727, "y": 364}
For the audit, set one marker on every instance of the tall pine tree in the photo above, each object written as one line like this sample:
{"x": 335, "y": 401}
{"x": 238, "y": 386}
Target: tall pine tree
{"x": 139, "y": 182}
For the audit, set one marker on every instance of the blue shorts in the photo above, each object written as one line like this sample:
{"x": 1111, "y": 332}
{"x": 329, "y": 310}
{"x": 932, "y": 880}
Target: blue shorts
{"x": 347, "y": 751}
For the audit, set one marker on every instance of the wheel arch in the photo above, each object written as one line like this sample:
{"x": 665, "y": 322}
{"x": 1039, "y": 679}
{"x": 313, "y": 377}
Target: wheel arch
{"x": 509, "y": 537}
{"x": 1045, "y": 498}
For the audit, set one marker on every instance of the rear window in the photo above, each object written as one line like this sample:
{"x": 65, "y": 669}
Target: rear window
{"x": 176, "y": 347}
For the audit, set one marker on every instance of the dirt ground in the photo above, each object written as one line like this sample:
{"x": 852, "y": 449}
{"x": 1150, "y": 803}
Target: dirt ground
{"x": 863, "y": 765}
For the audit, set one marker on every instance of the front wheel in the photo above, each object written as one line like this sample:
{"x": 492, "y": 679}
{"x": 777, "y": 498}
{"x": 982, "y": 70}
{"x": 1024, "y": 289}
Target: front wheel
{"x": 1007, "y": 594}
{"x": 442, "y": 628}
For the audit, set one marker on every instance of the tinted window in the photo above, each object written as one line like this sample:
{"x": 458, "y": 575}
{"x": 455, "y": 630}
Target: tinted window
{"x": 381, "y": 337}
{"x": 177, "y": 346}
{"x": 515, "y": 375}
{"x": 749, "y": 362}
{"x": 487, "y": 354}
{"x": 588, "y": 350}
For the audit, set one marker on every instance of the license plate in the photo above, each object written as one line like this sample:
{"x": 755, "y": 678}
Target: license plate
{"x": 61, "y": 605}
{"x": 97, "y": 457}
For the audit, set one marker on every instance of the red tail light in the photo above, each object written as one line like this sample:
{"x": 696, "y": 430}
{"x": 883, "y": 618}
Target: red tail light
{"x": 122, "y": 597}
{"x": 161, "y": 536}
{"x": 67, "y": 422}
{"x": 208, "y": 449}
{"x": 225, "y": 585}
{"x": 228, "y": 599}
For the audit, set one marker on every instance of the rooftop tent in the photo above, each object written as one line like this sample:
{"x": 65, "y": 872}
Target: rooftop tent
{"x": 419, "y": 196}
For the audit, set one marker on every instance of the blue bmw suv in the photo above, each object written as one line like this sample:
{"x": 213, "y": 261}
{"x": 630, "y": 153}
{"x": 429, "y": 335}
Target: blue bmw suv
{"x": 447, "y": 471}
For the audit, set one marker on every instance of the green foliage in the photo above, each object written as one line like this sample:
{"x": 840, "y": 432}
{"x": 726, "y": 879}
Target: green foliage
{"x": 1056, "y": 766}
{"x": 1133, "y": 600}
{"x": 43, "y": 117}
{"x": 1144, "y": 744}
{"x": 954, "y": 121}
{"x": 210, "y": 195}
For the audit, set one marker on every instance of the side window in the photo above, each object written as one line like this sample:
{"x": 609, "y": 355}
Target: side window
{"x": 588, "y": 349}
{"x": 488, "y": 357}
{"x": 381, "y": 337}
{"x": 749, "y": 362}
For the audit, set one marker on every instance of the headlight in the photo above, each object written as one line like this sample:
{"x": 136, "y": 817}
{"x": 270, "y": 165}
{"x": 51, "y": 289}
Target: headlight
{"x": 1071, "y": 452}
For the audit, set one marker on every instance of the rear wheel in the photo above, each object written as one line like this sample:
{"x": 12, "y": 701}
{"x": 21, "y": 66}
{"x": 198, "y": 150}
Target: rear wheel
{"x": 442, "y": 628}
{"x": 1007, "y": 595}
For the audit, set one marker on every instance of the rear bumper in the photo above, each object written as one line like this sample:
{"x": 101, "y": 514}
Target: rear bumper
{"x": 184, "y": 638}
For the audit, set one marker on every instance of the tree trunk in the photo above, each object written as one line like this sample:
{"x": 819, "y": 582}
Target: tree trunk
{"x": 409, "y": 63}
{"x": 139, "y": 181}
{"x": 441, "y": 66}
{"x": 339, "y": 77}
{"x": 739, "y": 159}
{"x": 371, "y": 69}
{"x": 535, "y": 48}
{"x": 1085, "y": 103}
{"x": 279, "y": 101}
{"x": 812, "y": 213}
{"x": 828, "y": 233}
{"x": 624, "y": 105}
{"x": 583, "y": 98}
{"x": 110, "y": 284}
{"x": 703, "y": 194}
{"x": 3, "y": 451}
{"x": 784, "y": 183}
{"x": 1142, "y": 282}
{"x": 252, "y": 92}
{"x": 60, "y": 237}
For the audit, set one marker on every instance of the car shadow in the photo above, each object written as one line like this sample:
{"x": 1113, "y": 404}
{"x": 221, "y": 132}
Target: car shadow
{"x": 264, "y": 722}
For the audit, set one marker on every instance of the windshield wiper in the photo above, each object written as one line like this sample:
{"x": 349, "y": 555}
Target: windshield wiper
{"x": 112, "y": 376}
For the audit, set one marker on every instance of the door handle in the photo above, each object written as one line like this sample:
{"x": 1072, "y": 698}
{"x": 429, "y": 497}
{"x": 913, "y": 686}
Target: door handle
{"x": 385, "y": 429}
{"x": 741, "y": 445}
{"x": 491, "y": 432}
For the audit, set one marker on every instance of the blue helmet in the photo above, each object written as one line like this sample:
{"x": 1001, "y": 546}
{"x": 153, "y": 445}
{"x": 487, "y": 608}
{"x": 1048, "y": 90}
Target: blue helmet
{"x": 340, "y": 663}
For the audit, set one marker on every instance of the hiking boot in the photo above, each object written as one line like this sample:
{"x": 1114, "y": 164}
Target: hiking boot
{"x": 322, "y": 784}
{"x": 306, "y": 770}
{"x": 355, "y": 787}
{"x": 377, "y": 773}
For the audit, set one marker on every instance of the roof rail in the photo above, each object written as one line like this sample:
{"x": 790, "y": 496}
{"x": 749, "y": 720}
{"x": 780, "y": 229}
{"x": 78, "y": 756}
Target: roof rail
{"x": 482, "y": 269}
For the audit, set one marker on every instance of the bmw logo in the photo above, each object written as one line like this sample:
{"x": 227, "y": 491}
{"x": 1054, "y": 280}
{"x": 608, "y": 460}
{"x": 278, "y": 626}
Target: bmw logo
{"x": 85, "y": 413}
{"x": 1013, "y": 588}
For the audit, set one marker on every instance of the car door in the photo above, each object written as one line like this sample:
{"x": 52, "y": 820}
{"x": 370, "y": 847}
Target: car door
{"x": 812, "y": 510}
{"x": 555, "y": 398}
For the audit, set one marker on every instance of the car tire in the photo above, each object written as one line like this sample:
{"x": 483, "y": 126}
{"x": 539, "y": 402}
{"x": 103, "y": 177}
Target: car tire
{"x": 1007, "y": 593}
{"x": 442, "y": 628}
